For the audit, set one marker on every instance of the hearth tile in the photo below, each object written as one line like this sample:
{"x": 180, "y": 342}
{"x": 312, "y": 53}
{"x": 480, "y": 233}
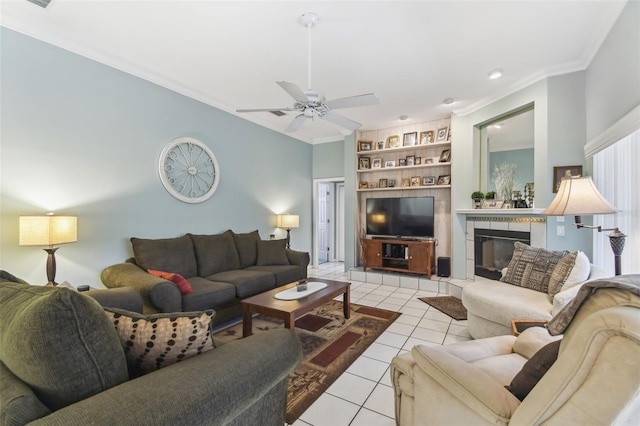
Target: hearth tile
{"x": 353, "y": 388}
{"x": 330, "y": 410}
{"x": 500, "y": 225}
{"x": 428, "y": 285}
{"x": 409, "y": 282}
{"x": 374, "y": 277}
{"x": 358, "y": 276}
{"x": 520, "y": 226}
{"x": 391, "y": 280}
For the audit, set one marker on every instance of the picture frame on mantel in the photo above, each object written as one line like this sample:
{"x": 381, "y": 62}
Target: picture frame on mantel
{"x": 492, "y": 204}
{"x": 560, "y": 172}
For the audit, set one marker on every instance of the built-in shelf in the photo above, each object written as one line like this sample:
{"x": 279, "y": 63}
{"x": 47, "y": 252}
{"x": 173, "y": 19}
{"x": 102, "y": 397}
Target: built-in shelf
{"x": 500, "y": 212}
{"x": 395, "y": 188}
{"x": 419, "y": 166}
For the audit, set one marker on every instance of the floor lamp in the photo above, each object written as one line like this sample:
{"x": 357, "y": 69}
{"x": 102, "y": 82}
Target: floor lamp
{"x": 288, "y": 221}
{"x": 48, "y": 231}
{"x": 579, "y": 196}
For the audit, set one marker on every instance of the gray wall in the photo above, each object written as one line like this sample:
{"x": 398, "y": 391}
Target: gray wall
{"x": 328, "y": 160}
{"x": 82, "y": 138}
{"x": 612, "y": 85}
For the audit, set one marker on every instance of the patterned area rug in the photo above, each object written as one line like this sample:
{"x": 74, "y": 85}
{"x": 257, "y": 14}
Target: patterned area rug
{"x": 329, "y": 344}
{"x": 449, "y": 305}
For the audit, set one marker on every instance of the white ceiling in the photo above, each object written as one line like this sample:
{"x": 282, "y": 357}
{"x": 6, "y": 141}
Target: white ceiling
{"x": 412, "y": 54}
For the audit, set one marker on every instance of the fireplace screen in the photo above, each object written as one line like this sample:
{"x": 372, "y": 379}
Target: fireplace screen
{"x": 494, "y": 249}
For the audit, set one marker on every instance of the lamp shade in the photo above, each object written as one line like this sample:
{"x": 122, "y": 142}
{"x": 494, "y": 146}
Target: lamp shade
{"x": 48, "y": 230}
{"x": 576, "y": 197}
{"x": 288, "y": 221}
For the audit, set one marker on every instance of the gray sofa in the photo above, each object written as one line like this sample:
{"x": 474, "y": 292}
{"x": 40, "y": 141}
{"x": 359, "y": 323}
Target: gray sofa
{"x": 221, "y": 269}
{"x": 62, "y": 363}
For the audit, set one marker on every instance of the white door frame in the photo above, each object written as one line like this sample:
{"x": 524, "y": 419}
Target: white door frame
{"x": 315, "y": 218}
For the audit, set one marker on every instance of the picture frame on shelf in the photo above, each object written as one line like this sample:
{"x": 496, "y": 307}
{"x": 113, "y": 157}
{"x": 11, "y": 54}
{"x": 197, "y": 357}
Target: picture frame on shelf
{"x": 365, "y": 145}
{"x": 376, "y": 163}
{"x": 428, "y": 180}
{"x": 373, "y": 185}
{"x": 492, "y": 204}
{"x": 428, "y": 160}
{"x": 560, "y": 172}
{"x": 392, "y": 183}
{"x": 364, "y": 163}
{"x": 380, "y": 145}
{"x": 443, "y": 133}
{"x": 418, "y": 161}
{"x": 444, "y": 180}
{"x": 415, "y": 180}
{"x": 382, "y": 183}
{"x": 409, "y": 139}
{"x": 445, "y": 156}
{"x": 405, "y": 183}
{"x": 389, "y": 164}
{"x": 411, "y": 160}
{"x": 363, "y": 185}
{"x": 393, "y": 141}
{"x": 426, "y": 137}
{"x": 402, "y": 162}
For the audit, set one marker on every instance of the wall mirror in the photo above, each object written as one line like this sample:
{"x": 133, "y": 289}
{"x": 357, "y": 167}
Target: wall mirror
{"x": 507, "y": 139}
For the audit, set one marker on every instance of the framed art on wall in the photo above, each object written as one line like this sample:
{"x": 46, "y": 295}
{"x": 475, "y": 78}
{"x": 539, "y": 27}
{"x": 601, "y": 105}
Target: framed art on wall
{"x": 560, "y": 172}
{"x": 442, "y": 134}
{"x": 409, "y": 139}
{"x": 426, "y": 137}
{"x": 393, "y": 141}
{"x": 365, "y": 145}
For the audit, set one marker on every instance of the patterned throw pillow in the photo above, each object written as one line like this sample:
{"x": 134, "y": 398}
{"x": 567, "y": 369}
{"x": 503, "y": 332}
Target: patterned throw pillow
{"x": 572, "y": 269}
{"x": 154, "y": 341}
{"x": 180, "y": 282}
{"x": 531, "y": 267}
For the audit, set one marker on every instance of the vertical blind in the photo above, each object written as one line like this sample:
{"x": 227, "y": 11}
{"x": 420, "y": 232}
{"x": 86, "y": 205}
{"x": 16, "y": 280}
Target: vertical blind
{"x": 616, "y": 173}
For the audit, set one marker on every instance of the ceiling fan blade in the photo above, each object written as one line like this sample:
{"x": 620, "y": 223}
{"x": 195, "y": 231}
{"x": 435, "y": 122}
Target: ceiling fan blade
{"x": 266, "y": 109}
{"x": 354, "y": 101}
{"x": 341, "y": 121}
{"x": 294, "y": 91}
{"x": 296, "y": 123}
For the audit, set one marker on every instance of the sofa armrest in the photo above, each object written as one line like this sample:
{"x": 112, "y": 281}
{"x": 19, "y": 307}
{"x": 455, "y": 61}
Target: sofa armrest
{"x": 299, "y": 258}
{"x": 122, "y": 298}
{"x": 465, "y": 393}
{"x": 158, "y": 294}
{"x": 243, "y": 382}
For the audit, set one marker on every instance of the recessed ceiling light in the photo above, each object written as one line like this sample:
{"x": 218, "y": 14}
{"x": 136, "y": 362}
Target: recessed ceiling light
{"x": 403, "y": 117}
{"x": 497, "y": 73}
{"x": 497, "y": 126}
{"x": 448, "y": 101}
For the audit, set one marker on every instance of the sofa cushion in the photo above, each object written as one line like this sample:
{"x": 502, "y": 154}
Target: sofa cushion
{"x": 18, "y": 404}
{"x": 151, "y": 342}
{"x": 534, "y": 369}
{"x": 169, "y": 254}
{"x": 246, "y": 244}
{"x": 572, "y": 270}
{"x": 215, "y": 253}
{"x": 247, "y": 282}
{"x": 272, "y": 252}
{"x": 177, "y": 279}
{"x": 284, "y": 274}
{"x": 531, "y": 267}
{"x": 59, "y": 342}
{"x": 208, "y": 294}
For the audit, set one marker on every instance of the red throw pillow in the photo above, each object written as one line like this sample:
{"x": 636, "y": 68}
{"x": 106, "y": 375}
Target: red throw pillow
{"x": 182, "y": 284}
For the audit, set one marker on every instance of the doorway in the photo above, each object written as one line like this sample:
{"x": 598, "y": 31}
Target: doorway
{"x": 328, "y": 201}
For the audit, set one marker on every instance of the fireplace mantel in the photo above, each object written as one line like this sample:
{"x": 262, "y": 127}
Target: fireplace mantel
{"x": 500, "y": 212}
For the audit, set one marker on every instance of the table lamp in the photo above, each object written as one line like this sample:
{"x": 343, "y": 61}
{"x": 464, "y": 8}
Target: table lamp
{"x": 48, "y": 231}
{"x": 579, "y": 196}
{"x": 288, "y": 221}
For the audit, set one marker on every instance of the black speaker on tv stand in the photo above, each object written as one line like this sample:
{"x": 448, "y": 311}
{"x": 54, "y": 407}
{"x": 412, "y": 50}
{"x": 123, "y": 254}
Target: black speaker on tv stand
{"x": 444, "y": 266}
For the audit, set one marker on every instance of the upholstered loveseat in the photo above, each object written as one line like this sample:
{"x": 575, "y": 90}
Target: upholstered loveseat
{"x": 221, "y": 270}
{"x": 535, "y": 286}
{"x": 62, "y": 362}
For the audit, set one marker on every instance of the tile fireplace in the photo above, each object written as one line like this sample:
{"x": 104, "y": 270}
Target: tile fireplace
{"x": 493, "y": 249}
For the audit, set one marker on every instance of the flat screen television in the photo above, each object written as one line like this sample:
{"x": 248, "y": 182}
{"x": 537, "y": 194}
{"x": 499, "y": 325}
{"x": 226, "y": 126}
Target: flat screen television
{"x": 409, "y": 217}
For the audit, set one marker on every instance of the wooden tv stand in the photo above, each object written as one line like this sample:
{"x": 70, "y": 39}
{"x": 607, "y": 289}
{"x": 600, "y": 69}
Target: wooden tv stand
{"x": 416, "y": 257}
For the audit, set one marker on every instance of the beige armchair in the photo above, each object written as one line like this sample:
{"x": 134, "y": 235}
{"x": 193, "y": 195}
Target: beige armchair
{"x": 595, "y": 379}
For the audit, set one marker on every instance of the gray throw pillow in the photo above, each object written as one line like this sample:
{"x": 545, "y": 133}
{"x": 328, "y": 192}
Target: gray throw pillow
{"x": 168, "y": 254}
{"x": 59, "y": 342}
{"x": 272, "y": 252}
{"x": 247, "y": 247}
{"x": 215, "y": 253}
{"x": 531, "y": 267}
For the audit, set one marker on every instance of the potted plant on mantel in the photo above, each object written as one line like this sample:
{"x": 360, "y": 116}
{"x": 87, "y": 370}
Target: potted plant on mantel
{"x": 491, "y": 195}
{"x": 477, "y": 197}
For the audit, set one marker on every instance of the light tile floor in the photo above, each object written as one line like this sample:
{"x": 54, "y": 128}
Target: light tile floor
{"x": 362, "y": 395}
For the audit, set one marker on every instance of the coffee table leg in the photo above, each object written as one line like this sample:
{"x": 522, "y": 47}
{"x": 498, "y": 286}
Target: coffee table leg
{"x": 346, "y": 308}
{"x": 290, "y": 321}
{"x": 246, "y": 321}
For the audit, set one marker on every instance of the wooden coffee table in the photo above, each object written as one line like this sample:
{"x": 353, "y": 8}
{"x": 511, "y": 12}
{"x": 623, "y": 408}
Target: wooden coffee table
{"x": 289, "y": 310}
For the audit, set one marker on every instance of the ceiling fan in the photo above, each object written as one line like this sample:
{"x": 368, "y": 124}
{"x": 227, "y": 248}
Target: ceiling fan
{"x": 312, "y": 103}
